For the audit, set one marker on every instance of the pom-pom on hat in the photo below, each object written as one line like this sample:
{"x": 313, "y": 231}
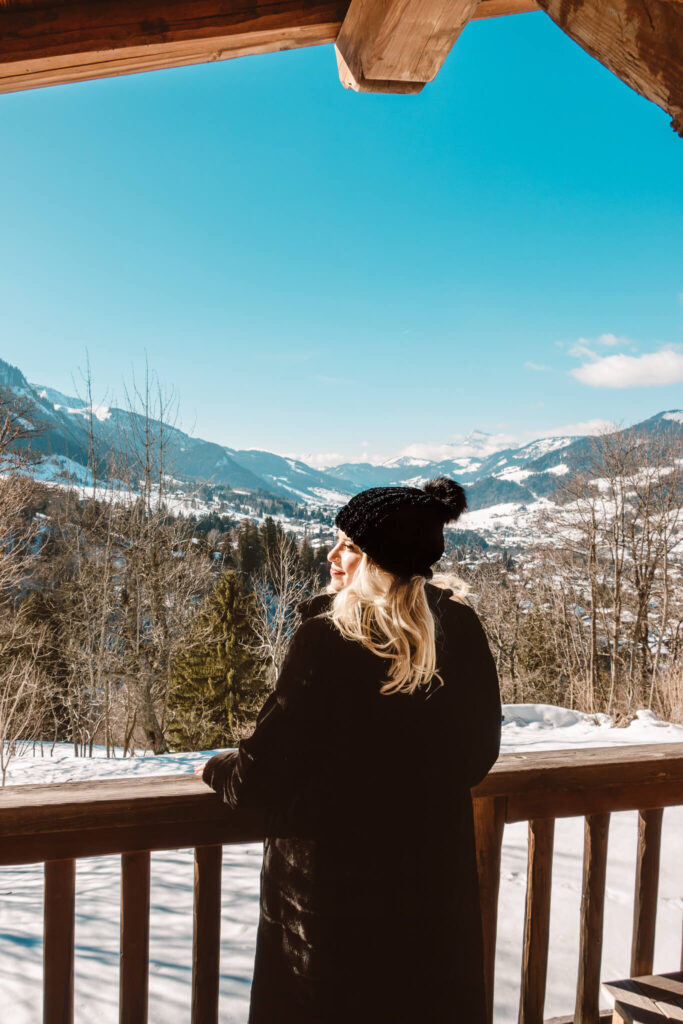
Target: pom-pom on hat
{"x": 401, "y": 528}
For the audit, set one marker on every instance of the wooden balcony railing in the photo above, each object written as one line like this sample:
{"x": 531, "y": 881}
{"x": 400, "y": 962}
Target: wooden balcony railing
{"x": 60, "y": 823}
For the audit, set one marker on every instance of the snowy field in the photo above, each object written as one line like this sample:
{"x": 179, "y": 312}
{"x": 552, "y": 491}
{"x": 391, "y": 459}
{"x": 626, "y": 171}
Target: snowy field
{"x": 527, "y": 727}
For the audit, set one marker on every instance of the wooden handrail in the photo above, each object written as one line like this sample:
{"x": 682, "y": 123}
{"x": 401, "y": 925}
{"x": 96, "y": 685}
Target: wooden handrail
{"x": 59, "y": 823}
{"x": 162, "y": 809}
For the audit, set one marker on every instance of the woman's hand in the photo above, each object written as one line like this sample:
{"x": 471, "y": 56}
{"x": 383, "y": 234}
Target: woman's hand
{"x": 199, "y": 769}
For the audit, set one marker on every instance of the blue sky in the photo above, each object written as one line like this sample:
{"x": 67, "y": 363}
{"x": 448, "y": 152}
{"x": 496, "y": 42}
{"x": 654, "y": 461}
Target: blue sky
{"x": 339, "y": 275}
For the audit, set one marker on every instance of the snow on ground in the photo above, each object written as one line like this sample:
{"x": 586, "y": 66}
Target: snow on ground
{"x": 514, "y": 473}
{"x": 526, "y": 727}
{"x": 510, "y": 522}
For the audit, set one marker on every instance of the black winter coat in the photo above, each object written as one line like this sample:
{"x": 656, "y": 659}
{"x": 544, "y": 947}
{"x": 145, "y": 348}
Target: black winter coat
{"x": 369, "y": 908}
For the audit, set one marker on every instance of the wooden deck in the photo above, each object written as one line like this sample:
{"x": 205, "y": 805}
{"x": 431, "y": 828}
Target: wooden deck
{"x": 58, "y": 824}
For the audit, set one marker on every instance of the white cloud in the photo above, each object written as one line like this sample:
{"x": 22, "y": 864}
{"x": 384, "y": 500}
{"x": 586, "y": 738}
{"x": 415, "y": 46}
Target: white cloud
{"x": 479, "y": 444}
{"x": 317, "y": 460}
{"x": 579, "y": 429}
{"x": 536, "y": 366}
{"x": 475, "y": 445}
{"x": 433, "y": 452}
{"x": 326, "y": 460}
{"x": 581, "y": 350}
{"x": 611, "y": 340}
{"x": 650, "y": 369}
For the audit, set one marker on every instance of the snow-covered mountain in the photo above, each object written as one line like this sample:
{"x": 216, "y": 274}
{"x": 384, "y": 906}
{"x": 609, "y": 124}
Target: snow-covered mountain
{"x": 502, "y": 480}
{"x": 522, "y": 475}
{"x": 62, "y": 441}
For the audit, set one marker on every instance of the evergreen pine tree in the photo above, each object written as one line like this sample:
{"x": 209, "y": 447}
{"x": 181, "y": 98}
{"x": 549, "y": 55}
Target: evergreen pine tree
{"x": 250, "y": 554}
{"x": 218, "y": 684}
{"x": 269, "y": 536}
{"x": 322, "y": 566}
{"x": 307, "y": 559}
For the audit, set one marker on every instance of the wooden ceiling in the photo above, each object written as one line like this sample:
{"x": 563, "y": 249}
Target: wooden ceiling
{"x": 394, "y": 46}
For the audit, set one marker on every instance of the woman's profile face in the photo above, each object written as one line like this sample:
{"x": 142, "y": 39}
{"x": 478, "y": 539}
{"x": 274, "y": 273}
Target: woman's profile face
{"x": 344, "y": 559}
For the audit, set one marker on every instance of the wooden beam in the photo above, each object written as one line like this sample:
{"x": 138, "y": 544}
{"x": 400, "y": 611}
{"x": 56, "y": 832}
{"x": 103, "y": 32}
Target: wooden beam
{"x": 640, "y": 41}
{"x": 57, "y": 41}
{"x": 52, "y": 42}
{"x": 398, "y": 45}
{"x": 499, "y": 8}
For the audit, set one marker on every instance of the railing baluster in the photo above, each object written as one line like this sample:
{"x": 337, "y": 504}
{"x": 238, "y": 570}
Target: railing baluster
{"x": 647, "y": 883}
{"x": 592, "y": 914}
{"x": 134, "y": 976}
{"x": 208, "y": 861}
{"x": 537, "y": 921}
{"x": 58, "y": 942}
{"x": 489, "y": 823}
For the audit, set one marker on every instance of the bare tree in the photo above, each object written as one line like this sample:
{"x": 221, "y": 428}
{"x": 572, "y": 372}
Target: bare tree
{"x": 22, "y": 690}
{"x": 125, "y": 578}
{"x": 279, "y": 586}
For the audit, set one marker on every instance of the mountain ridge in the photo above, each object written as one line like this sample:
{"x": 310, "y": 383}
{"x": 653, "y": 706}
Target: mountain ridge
{"x": 521, "y": 474}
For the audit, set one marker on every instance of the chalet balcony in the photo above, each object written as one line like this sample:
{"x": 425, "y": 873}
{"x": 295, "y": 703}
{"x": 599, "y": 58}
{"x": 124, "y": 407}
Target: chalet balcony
{"x": 59, "y": 824}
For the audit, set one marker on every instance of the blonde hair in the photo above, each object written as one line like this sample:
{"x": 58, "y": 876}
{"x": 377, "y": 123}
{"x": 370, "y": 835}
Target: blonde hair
{"x": 392, "y": 618}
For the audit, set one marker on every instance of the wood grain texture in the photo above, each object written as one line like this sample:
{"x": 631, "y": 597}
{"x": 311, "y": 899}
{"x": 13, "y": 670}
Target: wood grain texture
{"x": 537, "y": 921}
{"x": 236, "y": 827}
{"x": 501, "y": 8}
{"x": 58, "y": 942}
{"x": 647, "y": 883}
{"x": 398, "y": 40}
{"x": 123, "y": 815}
{"x": 594, "y": 800}
{"x": 640, "y": 41}
{"x": 398, "y": 47}
{"x": 134, "y": 976}
{"x": 604, "y": 1018}
{"x": 51, "y": 42}
{"x": 648, "y": 999}
{"x": 29, "y": 810}
{"x": 592, "y": 918}
{"x": 208, "y": 861}
{"x": 556, "y": 770}
{"x": 489, "y": 824}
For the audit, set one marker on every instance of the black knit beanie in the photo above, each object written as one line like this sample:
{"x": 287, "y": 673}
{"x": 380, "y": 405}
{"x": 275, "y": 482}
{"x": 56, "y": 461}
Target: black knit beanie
{"x": 401, "y": 528}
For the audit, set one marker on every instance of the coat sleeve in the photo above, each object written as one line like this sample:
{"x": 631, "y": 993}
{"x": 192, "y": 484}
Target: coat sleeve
{"x": 485, "y": 712}
{"x": 269, "y": 766}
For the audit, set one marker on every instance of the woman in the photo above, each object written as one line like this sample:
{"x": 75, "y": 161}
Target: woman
{"x": 385, "y": 713}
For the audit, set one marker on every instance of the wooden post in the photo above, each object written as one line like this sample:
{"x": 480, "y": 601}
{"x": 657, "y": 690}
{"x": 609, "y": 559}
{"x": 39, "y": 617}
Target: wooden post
{"x": 489, "y": 823}
{"x": 537, "y": 921}
{"x": 592, "y": 913}
{"x": 134, "y": 976}
{"x": 58, "y": 942}
{"x": 208, "y": 862}
{"x": 647, "y": 883}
